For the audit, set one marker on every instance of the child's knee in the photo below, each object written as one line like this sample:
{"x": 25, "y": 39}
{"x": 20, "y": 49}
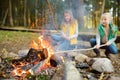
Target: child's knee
{"x": 115, "y": 51}
{"x": 92, "y": 40}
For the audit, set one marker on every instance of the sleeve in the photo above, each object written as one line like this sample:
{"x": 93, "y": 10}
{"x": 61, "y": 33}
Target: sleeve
{"x": 98, "y": 37}
{"x": 113, "y": 39}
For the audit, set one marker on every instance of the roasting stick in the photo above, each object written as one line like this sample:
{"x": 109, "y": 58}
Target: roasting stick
{"x": 75, "y": 50}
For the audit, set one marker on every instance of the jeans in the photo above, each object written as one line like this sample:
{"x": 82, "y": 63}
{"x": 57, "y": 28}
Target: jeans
{"x": 108, "y": 49}
{"x": 62, "y": 44}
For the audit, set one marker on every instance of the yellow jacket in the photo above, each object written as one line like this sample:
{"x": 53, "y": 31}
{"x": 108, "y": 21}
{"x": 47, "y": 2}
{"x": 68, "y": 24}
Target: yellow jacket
{"x": 73, "y": 31}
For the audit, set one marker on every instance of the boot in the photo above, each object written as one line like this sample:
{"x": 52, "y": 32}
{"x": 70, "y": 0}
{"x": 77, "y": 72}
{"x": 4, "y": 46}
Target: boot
{"x": 97, "y": 54}
{"x": 108, "y": 55}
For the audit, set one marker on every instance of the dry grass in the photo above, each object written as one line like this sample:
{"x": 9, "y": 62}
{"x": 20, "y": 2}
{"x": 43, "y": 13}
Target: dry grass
{"x": 13, "y": 41}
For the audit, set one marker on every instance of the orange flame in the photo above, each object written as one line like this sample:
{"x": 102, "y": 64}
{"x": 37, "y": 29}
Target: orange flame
{"x": 41, "y": 44}
{"x": 18, "y": 72}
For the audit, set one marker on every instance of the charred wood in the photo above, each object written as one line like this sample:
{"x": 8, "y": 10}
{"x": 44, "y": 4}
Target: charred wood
{"x": 32, "y": 56}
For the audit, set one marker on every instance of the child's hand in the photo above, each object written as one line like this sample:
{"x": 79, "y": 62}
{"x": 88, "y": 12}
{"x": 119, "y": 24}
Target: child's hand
{"x": 107, "y": 43}
{"x": 64, "y": 36}
{"x": 97, "y": 46}
{"x": 67, "y": 38}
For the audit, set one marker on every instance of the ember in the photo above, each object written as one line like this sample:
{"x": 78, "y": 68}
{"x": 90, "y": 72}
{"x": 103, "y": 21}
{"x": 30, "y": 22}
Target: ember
{"x": 38, "y": 58}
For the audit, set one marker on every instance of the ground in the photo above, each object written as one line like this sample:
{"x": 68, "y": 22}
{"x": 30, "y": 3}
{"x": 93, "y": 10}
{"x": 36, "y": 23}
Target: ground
{"x": 115, "y": 58}
{"x": 13, "y": 41}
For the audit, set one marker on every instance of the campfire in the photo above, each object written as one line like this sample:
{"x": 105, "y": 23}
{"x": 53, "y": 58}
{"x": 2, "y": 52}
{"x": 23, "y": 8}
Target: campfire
{"x": 39, "y": 57}
{"x": 41, "y": 60}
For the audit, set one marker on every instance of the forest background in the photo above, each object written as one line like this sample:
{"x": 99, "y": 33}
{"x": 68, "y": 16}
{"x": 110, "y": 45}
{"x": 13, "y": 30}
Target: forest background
{"x": 48, "y": 14}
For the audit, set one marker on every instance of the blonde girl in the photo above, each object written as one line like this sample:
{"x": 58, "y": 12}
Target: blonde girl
{"x": 106, "y": 34}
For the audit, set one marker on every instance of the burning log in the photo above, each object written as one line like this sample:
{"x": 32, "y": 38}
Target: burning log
{"x": 33, "y": 63}
{"x": 35, "y": 70}
{"x": 39, "y": 57}
{"x": 32, "y": 57}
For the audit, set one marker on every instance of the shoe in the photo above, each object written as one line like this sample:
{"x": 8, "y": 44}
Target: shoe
{"x": 108, "y": 55}
{"x": 97, "y": 54}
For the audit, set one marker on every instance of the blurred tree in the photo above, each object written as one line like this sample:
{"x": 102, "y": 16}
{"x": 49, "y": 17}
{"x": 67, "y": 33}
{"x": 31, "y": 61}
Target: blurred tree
{"x": 36, "y": 13}
{"x": 25, "y": 7}
{"x": 10, "y": 13}
{"x": 100, "y": 6}
{"x": 118, "y": 13}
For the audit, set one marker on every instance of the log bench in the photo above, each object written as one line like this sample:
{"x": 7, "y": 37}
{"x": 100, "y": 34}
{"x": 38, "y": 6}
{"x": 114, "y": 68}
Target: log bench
{"x": 85, "y": 36}
{"x": 88, "y": 36}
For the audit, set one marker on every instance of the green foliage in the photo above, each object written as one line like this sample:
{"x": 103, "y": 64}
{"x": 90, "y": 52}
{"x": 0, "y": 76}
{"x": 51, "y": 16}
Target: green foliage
{"x": 29, "y": 77}
{"x": 42, "y": 77}
{"x": 8, "y": 59}
{"x": 38, "y": 77}
{"x": 91, "y": 8}
{"x": 13, "y": 41}
{"x": 15, "y": 35}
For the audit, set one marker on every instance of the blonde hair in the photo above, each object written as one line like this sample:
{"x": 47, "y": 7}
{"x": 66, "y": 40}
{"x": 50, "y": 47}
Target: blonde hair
{"x": 109, "y": 16}
{"x": 71, "y": 14}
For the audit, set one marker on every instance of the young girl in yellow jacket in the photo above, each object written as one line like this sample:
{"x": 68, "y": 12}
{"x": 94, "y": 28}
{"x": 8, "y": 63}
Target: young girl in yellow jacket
{"x": 69, "y": 32}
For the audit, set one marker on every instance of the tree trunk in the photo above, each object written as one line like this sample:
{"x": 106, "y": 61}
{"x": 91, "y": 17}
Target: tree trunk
{"x": 51, "y": 14}
{"x": 36, "y": 14}
{"x": 10, "y": 13}
{"x": 25, "y": 3}
{"x": 29, "y": 20}
{"x": 6, "y": 13}
{"x": 95, "y": 23}
{"x": 103, "y": 6}
{"x": 118, "y": 17}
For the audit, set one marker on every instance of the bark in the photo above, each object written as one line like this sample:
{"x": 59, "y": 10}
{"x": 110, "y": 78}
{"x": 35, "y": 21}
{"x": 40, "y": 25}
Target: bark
{"x": 6, "y": 13}
{"x": 10, "y": 13}
{"x": 118, "y": 18}
{"x": 29, "y": 19}
{"x": 25, "y": 3}
{"x": 103, "y": 6}
{"x": 51, "y": 14}
{"x": 36, "y": 14}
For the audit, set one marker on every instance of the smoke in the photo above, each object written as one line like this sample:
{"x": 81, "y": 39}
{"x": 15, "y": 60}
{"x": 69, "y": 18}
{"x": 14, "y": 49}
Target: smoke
{"x": 78, "y": 12}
